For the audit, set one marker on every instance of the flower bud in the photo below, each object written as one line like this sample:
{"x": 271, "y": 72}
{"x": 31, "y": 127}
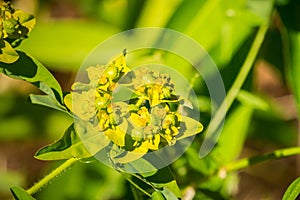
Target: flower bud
{"x": 170, "y": 119}
{"x": 137, "y": 135}
{"x": 112, "y": 72}
{"x": 9, "y": 25}
{"x": 165, "y": 93}
{"x": 101, "y": 102}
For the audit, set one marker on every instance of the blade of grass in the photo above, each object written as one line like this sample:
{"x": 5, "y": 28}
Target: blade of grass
{"x": 212, "y": 131}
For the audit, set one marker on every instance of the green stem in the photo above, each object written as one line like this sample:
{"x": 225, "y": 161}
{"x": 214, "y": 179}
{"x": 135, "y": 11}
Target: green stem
{"x": 240, "y": 79}
{"x": 126, "y": 176}
{"x": 246, "y": 162}
{"x": 37, "y": 186}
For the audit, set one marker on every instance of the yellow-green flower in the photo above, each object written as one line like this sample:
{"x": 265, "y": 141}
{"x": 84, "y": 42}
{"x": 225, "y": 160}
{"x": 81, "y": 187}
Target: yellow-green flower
{"x": 146, "y": 122}
{"x": 141, "y": 118}
{"x": 82, "y": 104}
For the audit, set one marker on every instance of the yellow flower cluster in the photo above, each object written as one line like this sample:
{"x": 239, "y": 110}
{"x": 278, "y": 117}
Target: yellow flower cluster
{"x": 92, "y": 102}
{"x": 147, "y": 120}
{"x": 154, "y": 122}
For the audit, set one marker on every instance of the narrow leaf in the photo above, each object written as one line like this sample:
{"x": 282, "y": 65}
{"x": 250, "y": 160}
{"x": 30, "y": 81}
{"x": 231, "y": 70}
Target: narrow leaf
{"x": 293, "y": 191}
{"x": 20, "y": 194}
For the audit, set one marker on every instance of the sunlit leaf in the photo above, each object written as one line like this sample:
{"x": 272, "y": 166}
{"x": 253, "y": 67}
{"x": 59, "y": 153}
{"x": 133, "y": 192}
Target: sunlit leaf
{"x": 192, "y": 127}
{"x": 157, "y": 195}
{"x": 25, "y": 19}
{"x": 72, "y": 145}
{"x": 20, "y": 194}
{"x": 293, "y": 191}
{"x": 130, "y": 156}
{"x": 8, "y": 54}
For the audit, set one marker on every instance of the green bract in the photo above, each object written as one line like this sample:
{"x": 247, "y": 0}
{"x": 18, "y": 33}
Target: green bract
{"x": 14, "y": 25}
{"x": 147, "y": 120}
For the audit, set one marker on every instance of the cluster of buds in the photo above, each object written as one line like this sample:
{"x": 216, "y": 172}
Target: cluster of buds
{"x": 148, "y": 119}
{"x": 108, "y": 117}
{"x": 14, "y": 27}
{"x": 93, "y": 101}
{"x": 155, "y": 118}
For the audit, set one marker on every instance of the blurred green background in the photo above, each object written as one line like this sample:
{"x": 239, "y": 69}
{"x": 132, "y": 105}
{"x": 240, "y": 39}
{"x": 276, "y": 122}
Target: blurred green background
{"x": 263, "y": 118}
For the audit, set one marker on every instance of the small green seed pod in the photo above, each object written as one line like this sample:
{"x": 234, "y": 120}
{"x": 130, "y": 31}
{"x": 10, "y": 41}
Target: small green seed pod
{"x": 112, "y": 72}
{"x": 101, "y": 103}
{"x": 165, "y": 93}
{"x": 114, "y": 119}
{"x": 137, "y": 135}
{"x": 9, "y": 25}
{"x": 170, "y": 119}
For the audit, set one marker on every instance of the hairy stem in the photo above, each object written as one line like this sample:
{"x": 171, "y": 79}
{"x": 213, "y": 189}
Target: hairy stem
{"x": 247, "y": 162}
{"x": 40, "y": 184}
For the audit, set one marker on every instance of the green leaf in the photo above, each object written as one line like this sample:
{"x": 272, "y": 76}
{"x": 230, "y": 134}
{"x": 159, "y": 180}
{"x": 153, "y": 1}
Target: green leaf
{"x": 48, "y": 101}
{"x": 20, "y": 194}
{"x": 71, "y": 145}
{"x": 8, "y": 54}
{"x": 26, "y": 20}
{"x": 168, "y": 194}
{"x": 164, "y": 178}
{"x": 292, "y": 191}
{"x": 157, "y": 195}
{"x": 192, "y": 127}
{"x": 31, "y": 70}
{"x": 141, "y": 166}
